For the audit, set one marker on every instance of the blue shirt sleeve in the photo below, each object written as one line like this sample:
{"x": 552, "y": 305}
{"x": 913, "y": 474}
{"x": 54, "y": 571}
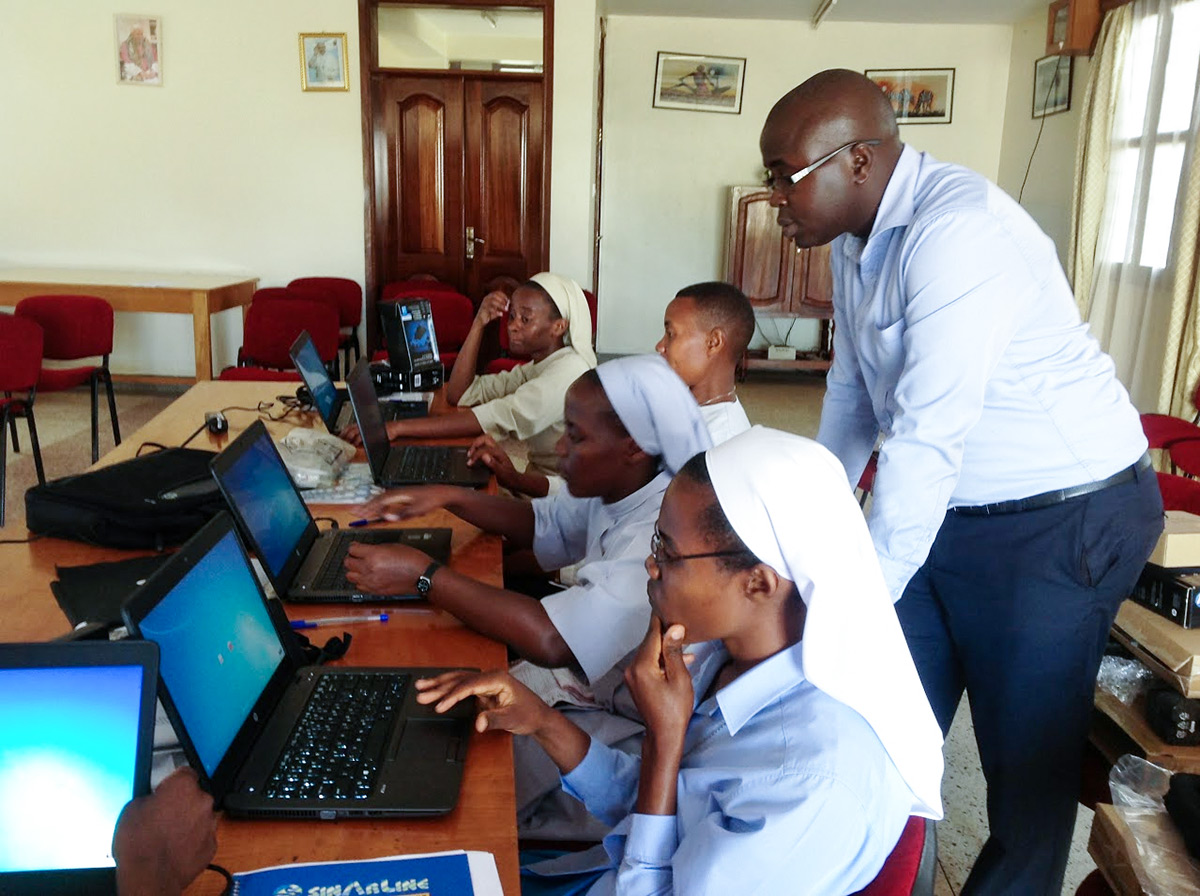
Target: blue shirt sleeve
{"x": 605, "y": 781}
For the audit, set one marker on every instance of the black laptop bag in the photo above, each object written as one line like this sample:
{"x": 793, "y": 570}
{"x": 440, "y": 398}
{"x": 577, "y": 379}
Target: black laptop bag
{"x": 154, "y": 501}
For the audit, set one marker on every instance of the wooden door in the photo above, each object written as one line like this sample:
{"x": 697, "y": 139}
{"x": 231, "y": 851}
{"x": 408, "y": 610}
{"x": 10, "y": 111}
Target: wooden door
{"x": 454, "y": 152}
{"x": 760, "y": 261}
{"x": 812, "y": 293}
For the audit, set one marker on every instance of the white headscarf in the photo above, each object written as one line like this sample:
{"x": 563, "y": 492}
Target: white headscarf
{"x": 657, "y": 408}
{"x": 788, "y": 499}
{"x": 568, "y": 297}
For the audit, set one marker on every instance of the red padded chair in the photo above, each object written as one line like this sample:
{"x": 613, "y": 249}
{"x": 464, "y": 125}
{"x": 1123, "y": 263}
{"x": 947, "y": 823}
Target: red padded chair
{"x": 418, "y": 287}
{"x": 274, "y": 294}
{"x": 912, "y": 867}
{"x": 1179, "y": 492}
{"x": 1185, "y": 457}
{"x": 20, "y": 366}
{"x": 272, "y": 327}
{"x": 348, "y": 296}
{"x": 866, "y": 481}
{"x": 1163, "y": 429}
{"x": 76, "y": 327}
{"x": 591, "y": 301}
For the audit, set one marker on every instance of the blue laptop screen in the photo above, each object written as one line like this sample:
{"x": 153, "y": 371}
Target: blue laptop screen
{"x": 259, "y": 485}
{"x": 218, "y": 647}
{"x": 316, "y": 377}
{"x": 68, "y": 747}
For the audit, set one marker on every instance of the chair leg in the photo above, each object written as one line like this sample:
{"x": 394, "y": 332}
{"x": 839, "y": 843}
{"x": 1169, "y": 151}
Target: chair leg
{"x": 5, "y": 419}
{"x": 33, "y": 438}
{"x": 12, "y": 425}
{"x": 112, "y": 406}
{"x": 355, "y": 346}
{"x": 95, "y": 417}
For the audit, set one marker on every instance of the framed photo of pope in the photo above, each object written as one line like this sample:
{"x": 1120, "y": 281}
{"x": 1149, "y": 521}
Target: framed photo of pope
{"x": 323, "y": 62}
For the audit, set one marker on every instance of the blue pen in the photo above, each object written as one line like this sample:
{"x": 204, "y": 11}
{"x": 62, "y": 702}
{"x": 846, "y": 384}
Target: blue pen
{"x": 357, "y": 524}
{"x": 338, "y": 620}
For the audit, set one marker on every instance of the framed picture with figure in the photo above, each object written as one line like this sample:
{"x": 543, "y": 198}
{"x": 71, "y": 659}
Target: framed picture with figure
{"x": 323, "y": 62}
{"x": 1052, "y": 85}
{"x": 699, "y": 83}
{"x": 139, "y": 49}
{"x": 917, "y": 95}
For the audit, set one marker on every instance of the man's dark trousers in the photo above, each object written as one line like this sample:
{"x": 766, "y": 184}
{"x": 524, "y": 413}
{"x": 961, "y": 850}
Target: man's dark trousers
{"x": 1016, "y": 607}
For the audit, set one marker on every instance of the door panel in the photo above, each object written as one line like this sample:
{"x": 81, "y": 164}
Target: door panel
{"x": 418, "y": 191}
{"x": 454, "y": 152}
{"x": 504, "y": 167}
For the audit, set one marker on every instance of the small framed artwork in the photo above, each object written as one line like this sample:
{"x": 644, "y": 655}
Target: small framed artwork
{"x": 323, "y": 62}
{"x": 917, "y": 95}
{"x": 1052, "y": 85}
{"x": 699, "y": 83}
{"x": 139, "y": 49}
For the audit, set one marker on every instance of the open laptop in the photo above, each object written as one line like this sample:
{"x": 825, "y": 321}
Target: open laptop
{"x": 76, "y": 733}
{"x": 394, "y": 465}
{"x": 274, "y": 738}
{"x": 302, "y": 563}
{"x": 332, "y": 403}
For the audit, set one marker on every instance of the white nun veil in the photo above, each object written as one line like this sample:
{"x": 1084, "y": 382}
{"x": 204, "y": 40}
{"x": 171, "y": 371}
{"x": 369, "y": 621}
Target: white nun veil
{"x": 788, "y": 499}
{"x": 568, "y": 297}
{"x": 657, "y": 408}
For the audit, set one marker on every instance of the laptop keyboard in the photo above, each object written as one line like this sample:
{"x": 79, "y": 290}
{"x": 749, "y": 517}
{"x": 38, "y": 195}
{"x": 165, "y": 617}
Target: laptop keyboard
{"x": 421, "y": 463}
{"x": 332, "y": 575}
{"x": 335, "y": 749}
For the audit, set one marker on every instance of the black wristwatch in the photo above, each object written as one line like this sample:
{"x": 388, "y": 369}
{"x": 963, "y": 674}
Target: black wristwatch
{"x": 425, "y": 579}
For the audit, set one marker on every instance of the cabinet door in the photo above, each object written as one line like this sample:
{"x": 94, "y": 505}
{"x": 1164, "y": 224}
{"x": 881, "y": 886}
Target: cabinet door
{"x": 759, "y": 260}
{"x": 812, "y": 293}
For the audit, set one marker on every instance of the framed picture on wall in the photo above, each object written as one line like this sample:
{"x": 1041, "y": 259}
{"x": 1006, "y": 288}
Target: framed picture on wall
{"x": 917, "y": 95}
{"x": 323, "y": 62}
{"x": 699, "y": 83}
{"x": 1052, "y": 85}
{"x": 139, "y": 49}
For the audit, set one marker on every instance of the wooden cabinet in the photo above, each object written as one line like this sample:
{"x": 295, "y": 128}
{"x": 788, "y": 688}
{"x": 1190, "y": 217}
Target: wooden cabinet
{"x": 779, "y": 279}
{"x": 1072, "y": 27}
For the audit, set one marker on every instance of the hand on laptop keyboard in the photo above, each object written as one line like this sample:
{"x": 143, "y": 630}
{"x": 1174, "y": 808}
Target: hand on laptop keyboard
{"x": 403, "y": 504}
{"x": 385, "y": 568}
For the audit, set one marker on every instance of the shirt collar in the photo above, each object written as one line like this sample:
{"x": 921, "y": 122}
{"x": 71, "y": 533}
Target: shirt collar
{"x": 897, "y": 207}
{"x": 655, "y": 486}
{"x": 746, "y": 695}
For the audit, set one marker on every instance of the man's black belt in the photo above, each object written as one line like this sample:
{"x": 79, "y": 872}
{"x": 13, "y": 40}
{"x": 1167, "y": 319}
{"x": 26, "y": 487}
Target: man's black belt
{"x": 1049, "y": 499}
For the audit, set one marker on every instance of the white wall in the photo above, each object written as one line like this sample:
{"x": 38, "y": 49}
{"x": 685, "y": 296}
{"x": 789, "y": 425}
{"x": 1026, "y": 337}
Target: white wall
{"x": 1047, "y": 195}
{"x": 227, "y": 167}
{"x": 666, "y": 172}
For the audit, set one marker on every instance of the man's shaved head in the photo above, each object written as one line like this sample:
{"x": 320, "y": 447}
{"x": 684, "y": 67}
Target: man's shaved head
{"x": 830, "y": 110}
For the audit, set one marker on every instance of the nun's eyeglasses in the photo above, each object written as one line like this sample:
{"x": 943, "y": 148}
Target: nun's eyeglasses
{"x": 662, "y": 558}
{"x": 773, "y": 181}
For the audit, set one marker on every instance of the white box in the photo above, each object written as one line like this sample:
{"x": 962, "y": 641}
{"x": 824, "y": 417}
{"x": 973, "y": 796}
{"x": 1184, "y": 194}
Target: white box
{"x": 781, "y": 353}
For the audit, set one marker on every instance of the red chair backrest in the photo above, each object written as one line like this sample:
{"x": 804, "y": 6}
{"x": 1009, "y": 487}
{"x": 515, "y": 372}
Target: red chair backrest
{"x": 1163, "y": 429}
{"x": 20, "y": 354}
{"x": 898, "y": 877}
{"x": 452, "y": 316}
{"x": 347, "y": 294}
{"x": 272, "y": 327}
{"x": 591, "y": 300}
{"x": 72, "y": 326}
{"x": 277, "y": 293}
{"x": 417, "y": 288}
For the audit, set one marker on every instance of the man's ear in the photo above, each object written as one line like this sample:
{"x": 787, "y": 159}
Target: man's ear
{"x": 862, "y": 158}
{"x": 714, "y": 343}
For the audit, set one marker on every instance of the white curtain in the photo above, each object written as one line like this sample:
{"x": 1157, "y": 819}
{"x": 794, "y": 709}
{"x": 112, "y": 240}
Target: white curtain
{"x": 1152, "y": 145}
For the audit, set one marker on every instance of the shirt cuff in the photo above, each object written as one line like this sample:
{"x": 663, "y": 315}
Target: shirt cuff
{"x": 652, "y": 840}
{"x": 594, "y": 774}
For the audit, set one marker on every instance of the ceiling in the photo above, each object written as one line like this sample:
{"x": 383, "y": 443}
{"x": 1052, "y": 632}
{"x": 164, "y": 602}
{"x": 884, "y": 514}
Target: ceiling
{"x": 1004, "y": 12}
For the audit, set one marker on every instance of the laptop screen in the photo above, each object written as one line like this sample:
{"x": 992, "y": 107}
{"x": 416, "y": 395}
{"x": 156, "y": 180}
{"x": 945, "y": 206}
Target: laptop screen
{"x": 369, "y": 416}
{"x": 315, "y": 376}
{"x": 219, "y": 648}
{"x": 74, "y": 749}
{"x": 257, "y": 483}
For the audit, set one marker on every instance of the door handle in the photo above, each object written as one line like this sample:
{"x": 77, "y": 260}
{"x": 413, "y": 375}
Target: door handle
{"x": 472, "y": 239}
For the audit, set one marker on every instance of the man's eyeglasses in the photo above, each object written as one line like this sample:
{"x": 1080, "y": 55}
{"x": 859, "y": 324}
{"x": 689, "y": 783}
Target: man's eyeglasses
{"x": 782, "y": 181}
{"x": 662, "y": 558}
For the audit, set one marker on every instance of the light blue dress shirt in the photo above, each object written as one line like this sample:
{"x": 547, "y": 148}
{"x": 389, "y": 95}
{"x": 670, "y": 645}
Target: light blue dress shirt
{"x": 782, "y": 789}
{"x": 959, "y": 341}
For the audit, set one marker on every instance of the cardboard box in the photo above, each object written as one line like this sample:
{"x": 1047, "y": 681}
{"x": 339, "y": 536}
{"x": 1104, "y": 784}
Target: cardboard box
{"x": 1171, "y": 652}
{"x": 1179, "y": 545}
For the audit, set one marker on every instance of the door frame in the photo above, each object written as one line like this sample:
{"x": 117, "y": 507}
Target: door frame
{"x": 370, "y": 70}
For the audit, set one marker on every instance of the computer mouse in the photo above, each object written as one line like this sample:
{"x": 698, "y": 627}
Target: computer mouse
{"x": 216, "y": 422}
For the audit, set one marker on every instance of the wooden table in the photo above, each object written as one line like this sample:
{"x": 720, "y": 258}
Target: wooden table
{"x": 485, "y": 818}
{"x": 200, "y": 295}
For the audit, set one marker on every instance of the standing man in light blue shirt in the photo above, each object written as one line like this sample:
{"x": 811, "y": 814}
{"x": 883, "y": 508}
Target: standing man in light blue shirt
{"x": 1014, "y": 504}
